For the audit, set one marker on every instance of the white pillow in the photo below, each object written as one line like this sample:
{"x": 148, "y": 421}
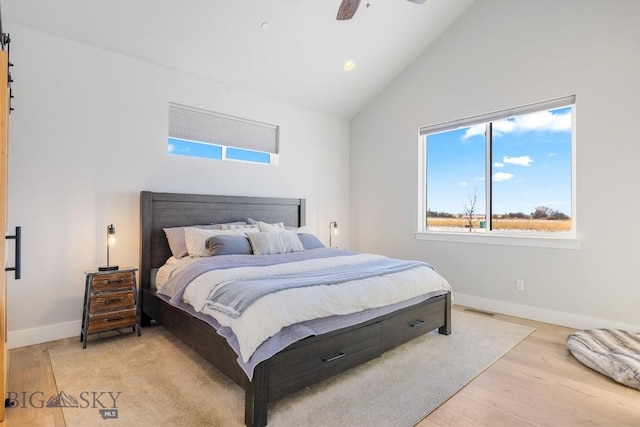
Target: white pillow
{"x": 196, "y": 239}
{"x": 303, "y": 229}
{"x": 263, "y": 226}
{"x": 278, "y": 242}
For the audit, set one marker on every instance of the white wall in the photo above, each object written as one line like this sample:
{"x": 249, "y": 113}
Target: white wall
{"x": 89, "y": 132}
{"x": 500, "y": 54}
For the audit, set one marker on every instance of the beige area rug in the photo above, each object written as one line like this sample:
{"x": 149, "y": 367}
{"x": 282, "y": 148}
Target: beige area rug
{"x": 156, "y": 380}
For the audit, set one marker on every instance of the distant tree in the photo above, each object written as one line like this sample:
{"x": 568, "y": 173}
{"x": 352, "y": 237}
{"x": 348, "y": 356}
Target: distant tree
{"x": 516, "y": 215}
{"x": 557, "y": 215}
{"x": 470, "y": 208}
{"x": 436, "y": 214}
{"x": 541, "y": 212}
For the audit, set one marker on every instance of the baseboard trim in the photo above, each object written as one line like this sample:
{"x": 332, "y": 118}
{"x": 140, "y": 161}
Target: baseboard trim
{"x": 42, "y": 334}
{"x": 570, "y": 320}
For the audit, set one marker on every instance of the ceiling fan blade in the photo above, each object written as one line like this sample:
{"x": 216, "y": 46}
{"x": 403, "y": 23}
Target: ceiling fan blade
{"x": 417, "y": 1}
{"x": 347, "y": 9}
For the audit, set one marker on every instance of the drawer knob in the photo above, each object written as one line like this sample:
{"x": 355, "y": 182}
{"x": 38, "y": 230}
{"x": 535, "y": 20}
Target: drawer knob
{"x": 416, "y": 323}
{"x": 110, "y": 282}
{"x": 334, "y": 357}
{"x": 112, "y": 301}
{"x": 113, "y": 319}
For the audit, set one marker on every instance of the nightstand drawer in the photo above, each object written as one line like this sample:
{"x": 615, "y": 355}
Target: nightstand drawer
{"x": 112, "y": 300}
{"x": 112, "y": 320}
{"x": 112, "y": 282}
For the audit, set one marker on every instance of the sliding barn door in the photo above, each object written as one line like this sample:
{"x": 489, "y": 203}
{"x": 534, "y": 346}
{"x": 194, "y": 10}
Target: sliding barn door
{"x": 4, "y": 140}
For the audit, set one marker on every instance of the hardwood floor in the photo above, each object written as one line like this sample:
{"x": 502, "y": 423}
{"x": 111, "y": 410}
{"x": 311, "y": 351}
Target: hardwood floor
{"x": 538, "y": 383}
{"x": 32, "y": 382}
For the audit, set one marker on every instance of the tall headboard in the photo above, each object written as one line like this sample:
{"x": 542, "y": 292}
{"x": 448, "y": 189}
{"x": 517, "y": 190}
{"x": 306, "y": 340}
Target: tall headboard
{"x": 162, "y": 210}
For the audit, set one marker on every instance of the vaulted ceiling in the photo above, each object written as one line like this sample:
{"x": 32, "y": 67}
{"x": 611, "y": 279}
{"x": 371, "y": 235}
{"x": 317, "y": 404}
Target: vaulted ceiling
{"x": 291, "y": 50}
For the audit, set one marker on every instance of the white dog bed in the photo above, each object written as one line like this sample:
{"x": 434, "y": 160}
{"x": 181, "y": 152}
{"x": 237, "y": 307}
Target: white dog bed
{"x": 611, "y": 352}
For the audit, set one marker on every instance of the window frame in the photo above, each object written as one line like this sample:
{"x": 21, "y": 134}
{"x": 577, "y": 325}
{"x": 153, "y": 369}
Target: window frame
{"x": 564, "y": 240}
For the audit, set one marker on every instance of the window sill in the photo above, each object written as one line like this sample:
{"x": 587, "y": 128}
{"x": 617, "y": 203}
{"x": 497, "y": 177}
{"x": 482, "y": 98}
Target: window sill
{"x": 501, "y": 239}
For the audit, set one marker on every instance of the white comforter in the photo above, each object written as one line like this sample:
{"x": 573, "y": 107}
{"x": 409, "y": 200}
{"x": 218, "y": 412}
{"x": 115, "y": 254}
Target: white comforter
{"x": 271, "y": 313}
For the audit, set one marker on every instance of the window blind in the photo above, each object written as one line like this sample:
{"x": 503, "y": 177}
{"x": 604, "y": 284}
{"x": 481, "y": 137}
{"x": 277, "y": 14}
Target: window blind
{"x": 498, "y": 115}
{"x": 195, "y": 124}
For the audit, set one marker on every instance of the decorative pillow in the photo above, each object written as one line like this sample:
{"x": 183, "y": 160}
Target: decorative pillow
{"x": 196, "y": 239}
{"x": 263, "y": 226}
{"x": 228, "y": 245}
{"x": 310, "y": 241}
{"x": 239, "y": 226}
{"x": 280, "y": 242}
{"x": 279, "y": 226}
{"x": 176, "y": 240}
{"x": 303, "y": 229}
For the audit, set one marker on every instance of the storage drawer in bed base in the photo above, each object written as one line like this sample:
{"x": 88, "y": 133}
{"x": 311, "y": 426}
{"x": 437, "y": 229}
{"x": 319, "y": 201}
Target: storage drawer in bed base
{"x": 316, "y": 358}
{"x": 321, "y": 358}
{"x": 411, "y": 323}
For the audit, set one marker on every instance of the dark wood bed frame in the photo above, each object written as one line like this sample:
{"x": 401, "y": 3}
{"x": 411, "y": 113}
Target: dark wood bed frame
{"x": 299, "y": 365}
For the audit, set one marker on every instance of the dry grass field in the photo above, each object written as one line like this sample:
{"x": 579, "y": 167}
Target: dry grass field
{"x": 539, "y": 225}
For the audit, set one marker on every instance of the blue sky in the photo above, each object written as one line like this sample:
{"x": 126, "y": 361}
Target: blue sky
{"x": 531, "y": 165}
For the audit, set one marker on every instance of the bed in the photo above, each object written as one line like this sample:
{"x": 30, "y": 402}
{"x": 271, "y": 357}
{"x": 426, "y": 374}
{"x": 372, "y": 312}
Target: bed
{"x": 303, "y": 362}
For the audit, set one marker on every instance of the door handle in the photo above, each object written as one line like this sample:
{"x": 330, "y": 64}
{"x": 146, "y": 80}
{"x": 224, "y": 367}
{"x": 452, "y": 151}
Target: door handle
{"x": 18, "y": 267}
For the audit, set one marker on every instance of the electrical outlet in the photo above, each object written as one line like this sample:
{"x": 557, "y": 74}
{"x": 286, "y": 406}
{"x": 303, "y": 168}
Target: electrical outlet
{"x": 519, "y": 285}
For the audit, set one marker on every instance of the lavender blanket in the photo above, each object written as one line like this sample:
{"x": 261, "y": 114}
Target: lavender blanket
{"x": 174, "y": 287}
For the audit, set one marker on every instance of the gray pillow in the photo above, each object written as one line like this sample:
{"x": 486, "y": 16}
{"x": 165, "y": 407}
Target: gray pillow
{"x": 310, "y": 241}
{"x": 269, "y": 242}
{"x": 228, "y": 245}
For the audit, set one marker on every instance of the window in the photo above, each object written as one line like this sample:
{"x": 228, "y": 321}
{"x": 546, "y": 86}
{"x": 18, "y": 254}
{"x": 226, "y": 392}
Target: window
{"x": 202, "y": 133}
{"x": 184, "y": 147}
{"x": 504, "y": 173}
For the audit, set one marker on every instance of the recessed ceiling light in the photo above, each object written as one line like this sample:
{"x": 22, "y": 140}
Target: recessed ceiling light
{"x": 349, "y": 65}
{"x": 265, "y": 26}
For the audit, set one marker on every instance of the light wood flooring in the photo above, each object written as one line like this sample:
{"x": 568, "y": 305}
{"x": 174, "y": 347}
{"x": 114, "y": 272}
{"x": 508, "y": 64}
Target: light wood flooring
{"x": 538, "y": 383}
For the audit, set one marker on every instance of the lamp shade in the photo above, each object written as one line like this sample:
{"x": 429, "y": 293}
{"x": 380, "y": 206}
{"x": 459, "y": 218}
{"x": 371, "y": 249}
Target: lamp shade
{"x": 111, "y": 241}
{"x": 333, "y": 231}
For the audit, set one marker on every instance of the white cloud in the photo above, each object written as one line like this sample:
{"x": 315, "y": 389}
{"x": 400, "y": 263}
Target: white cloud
{"x": 480, "y": 178}
{"x": 474, "y": 130}
{"x": 463, "y": 183}
{"x": 520, "y": 161}
{"x": 543, "y": 121}
{"x": 502, "y": 176}
{"x": 171, "y": 148}
{"x": 551, "y": 155}
{"x": 498, "y": 165}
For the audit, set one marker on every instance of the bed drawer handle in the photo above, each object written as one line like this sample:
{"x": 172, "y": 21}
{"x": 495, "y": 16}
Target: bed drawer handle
{"x": 114, "y": 319}
{"x": 112, "y": 301}
{"x": 332, "y": 358}
{"x": 416, "y": 323}
{"x": 110, "y": 282}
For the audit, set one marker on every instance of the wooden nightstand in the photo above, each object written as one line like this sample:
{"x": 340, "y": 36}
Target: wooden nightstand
{"x": 110, "y": 302}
